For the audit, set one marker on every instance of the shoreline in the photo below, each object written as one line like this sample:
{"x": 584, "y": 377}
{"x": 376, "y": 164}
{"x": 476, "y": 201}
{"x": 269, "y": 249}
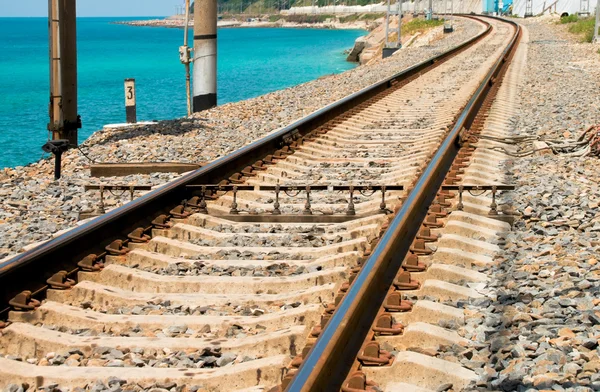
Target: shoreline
{"x": 367, "y": 25}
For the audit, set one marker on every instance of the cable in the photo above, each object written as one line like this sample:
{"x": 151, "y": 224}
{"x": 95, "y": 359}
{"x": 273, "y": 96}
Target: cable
{"x": 121, "y": 194}
{"x": 584, "y": 145}
{"x": 366, "y": 194}
{"x": 473, "y": 194}
{"x": 85, "y": 155}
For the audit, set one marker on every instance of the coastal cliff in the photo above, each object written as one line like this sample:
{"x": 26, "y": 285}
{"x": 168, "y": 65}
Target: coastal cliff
{"x": 263, "y": 21}
{"x": 368, "y": 48}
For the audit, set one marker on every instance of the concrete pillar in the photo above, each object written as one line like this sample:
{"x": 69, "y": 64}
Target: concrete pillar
{"x": 64, "y": 121}
{"x": 597, "y": 25}
{"x": 205, "y": 54}
{"x": 55, "y": 122}
{"x": 387, "y": 25}
{"x": 399, "y": 6}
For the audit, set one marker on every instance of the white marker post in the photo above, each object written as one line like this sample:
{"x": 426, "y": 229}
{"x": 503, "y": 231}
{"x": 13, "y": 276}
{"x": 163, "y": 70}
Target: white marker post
{"x": 130, "y": 101}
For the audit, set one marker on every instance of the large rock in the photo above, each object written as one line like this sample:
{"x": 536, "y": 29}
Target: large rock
{"x": 359, "y": 46}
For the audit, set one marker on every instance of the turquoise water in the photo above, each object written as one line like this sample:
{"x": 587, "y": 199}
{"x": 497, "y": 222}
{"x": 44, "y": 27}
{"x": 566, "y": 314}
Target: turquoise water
{"x": 251, "y": 62}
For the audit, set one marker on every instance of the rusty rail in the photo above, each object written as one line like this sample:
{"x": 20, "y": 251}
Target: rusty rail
{"x": 328, "y": 362}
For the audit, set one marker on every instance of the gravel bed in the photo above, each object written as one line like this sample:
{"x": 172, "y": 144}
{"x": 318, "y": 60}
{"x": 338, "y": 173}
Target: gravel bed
{"x": 160, "y": 307}
{"x": 172, "y": 331}
{"x": 337, "y": 175}
{"x": 295, "y": 240}
{"x": 234, "y": 254}
{"x": 539, "y": 327}
{"x": 210, "y": 357}
{"x": 197, "y": 269}
{"x": 274, "y": 228}
{"x": 425, "y": 122}
{"x": 113, "y": 384}
{"x": 34, "y": 206}
{"x": 364, "y": 151}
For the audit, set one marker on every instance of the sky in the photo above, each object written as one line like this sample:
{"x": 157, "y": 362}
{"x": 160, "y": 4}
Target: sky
{"x": 93, "y": 7}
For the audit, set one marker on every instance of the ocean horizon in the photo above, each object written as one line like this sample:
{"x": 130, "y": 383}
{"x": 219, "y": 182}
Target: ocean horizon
{"x": 251, "y": 62}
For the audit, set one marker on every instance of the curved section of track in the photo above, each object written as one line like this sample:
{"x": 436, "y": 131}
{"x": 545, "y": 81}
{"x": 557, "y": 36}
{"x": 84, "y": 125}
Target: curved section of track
{"x": 378, "y": 287}
{"x": 225, "y": 301}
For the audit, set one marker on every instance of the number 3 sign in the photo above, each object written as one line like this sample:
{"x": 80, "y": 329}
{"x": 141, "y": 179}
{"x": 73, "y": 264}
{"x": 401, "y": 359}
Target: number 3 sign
{"x": 130, "y": 104}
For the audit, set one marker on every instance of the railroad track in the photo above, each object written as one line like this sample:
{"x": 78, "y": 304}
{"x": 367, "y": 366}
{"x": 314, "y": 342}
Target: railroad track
{"x": 291, "y": 274}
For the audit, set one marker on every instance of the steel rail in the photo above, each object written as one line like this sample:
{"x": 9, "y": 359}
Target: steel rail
{"x": 327, "y": 364}
{"x": 31, "y": 269}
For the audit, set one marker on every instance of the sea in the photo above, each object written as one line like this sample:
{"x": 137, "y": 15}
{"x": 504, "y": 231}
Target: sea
{"x": 251, "y": 62}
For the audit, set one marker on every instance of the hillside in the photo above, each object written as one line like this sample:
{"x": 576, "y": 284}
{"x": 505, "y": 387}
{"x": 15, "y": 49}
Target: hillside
{"x": 270, "y": 6}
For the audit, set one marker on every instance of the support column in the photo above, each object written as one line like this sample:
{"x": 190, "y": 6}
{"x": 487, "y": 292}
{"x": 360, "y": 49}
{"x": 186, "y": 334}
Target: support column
{"x": 399, "y": 6}
{"x": 387, "y": 25}
{"x": 55, "y": 110}
{"x": 64, "y": 121}
{"x": 205, "y": 54}
{"x": 597, "y": 25}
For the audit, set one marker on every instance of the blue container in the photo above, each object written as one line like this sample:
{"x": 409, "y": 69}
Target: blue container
{"x": 490, "y": 6}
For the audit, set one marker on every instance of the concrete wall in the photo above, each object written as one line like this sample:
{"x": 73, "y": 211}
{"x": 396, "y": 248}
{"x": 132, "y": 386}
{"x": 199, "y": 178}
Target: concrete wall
{"x": 464, "y": 6}
{"x": 562, "y": 6}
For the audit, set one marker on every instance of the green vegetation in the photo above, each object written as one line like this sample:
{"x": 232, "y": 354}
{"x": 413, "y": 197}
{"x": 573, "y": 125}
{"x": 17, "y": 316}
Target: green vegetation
{"x": 417, "y": 25}
{"x": 321, "y": 18}
{"x": 262, "y": 7}
{"x": 301, "y": 18}
{"x": 409, "y": 28}
{"x": 355, "y": 17}
{"x": 583, "y": 27}
{"x": 569, "y": 19}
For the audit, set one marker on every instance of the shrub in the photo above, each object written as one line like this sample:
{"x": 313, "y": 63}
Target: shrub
{"x": 584, "y": 28}
{"x": 420, "y": 25}
{"x": 569, "y": 19}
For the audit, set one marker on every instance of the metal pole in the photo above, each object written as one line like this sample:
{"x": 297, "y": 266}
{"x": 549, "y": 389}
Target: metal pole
{"x": 597, "y": 25}
{"x": 55, "y": 94}
{"x": 68, "y": 62}
{"x": 399, "y": 22}
{"x": 387, "y": 24}
{"x": 205, "y": 54}
{"x": 188, "y": 93}
{"x": 64, "y": 121}
{"x": 57, "y": 165}
{"x": 430, "y": 10}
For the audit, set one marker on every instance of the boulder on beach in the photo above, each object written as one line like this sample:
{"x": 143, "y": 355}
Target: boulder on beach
{"x": 359, "y": 46}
